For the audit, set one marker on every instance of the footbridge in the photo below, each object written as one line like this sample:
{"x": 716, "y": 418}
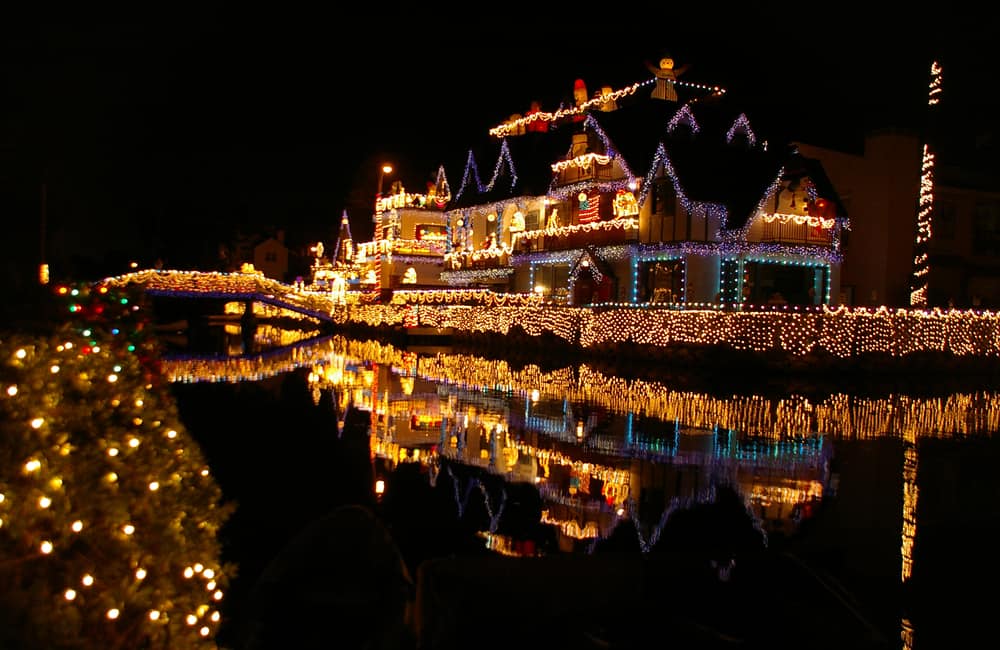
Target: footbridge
{"x": 237, "y": 286}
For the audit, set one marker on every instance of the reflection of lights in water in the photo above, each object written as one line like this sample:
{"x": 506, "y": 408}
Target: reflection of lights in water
{"x": 910, "y": 492}
{"x": 839, "y": 415}
{"x": 906, "y": 633}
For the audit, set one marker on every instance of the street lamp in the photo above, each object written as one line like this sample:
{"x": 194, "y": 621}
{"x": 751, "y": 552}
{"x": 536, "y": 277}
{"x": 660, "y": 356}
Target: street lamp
{"x": 386, "y": 168}
{"x": 383, "y": 170}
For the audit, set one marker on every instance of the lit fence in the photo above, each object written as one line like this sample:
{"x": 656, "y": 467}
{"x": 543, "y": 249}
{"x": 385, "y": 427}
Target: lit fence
{"x": 841, "y": 332}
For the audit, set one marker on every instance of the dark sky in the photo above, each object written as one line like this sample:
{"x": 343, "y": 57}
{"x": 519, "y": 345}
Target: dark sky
{"x": 159, "y": 135}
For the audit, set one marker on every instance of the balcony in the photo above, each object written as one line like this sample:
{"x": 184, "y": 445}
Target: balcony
{"x": 601, "y": 233}
{"x": 793, "y": 230}
{"x": 488, "y": 258}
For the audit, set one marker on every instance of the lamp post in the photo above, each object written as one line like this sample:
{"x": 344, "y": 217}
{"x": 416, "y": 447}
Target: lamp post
{"x": 383, "y": 170}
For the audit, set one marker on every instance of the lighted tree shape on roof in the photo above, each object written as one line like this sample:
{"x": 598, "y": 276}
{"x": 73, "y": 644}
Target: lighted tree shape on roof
{"x": 442, "y": 191}
{"x": 344, "y": 250}
{"x": 109, "y": 513}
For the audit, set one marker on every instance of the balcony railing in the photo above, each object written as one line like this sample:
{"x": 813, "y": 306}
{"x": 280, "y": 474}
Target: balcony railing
{"x": 601, "y": 233}
{"x": 487, "y": 258}
{"x": 400, "y": 247}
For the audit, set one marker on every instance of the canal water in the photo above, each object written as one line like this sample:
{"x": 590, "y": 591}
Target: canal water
{"x": 883, "y": 501}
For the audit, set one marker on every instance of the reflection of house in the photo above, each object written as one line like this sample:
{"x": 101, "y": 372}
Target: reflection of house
{"x": 592, "y": 467}
{"x": 651, "y": 201}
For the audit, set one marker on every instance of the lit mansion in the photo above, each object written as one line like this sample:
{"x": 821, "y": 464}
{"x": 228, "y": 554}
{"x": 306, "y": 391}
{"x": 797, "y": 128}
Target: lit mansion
{"x": 658, "y": 193}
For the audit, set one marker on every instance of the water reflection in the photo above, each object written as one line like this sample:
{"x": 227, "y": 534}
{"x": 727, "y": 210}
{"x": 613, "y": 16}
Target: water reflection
{"x": 602, "y": 450}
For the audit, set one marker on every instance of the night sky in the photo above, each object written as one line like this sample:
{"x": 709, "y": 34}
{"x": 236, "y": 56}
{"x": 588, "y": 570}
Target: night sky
{"x": 160, "y": 135}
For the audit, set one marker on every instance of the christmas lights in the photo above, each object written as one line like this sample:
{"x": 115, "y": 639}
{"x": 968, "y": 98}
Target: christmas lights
{"x": 683, "y": 116}
{"x": 108, "y": 501}
{"x": 925, "y": 207}
{"x": 513, "y": 126}
{"x": 584, "y": 161}
{"x": 741, "y": 125}
{"x": 503, "y": 160}
{"x": 465, "y": 277}
{"x": 795, "y": 329}
{"x": 469, "y": 176}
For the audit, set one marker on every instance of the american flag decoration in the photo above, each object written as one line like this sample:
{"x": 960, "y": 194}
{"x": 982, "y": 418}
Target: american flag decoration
{"x": 590, "y": 208}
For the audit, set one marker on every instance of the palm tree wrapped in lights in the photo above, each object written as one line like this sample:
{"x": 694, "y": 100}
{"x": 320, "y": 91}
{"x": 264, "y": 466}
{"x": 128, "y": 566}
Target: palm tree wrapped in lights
{"x": 108, "y": 513}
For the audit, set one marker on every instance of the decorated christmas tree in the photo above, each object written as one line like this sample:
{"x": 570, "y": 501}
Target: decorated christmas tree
{"x": 108, "y": 512}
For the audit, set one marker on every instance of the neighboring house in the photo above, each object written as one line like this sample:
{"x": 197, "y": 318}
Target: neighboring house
{"x": 965, "y": 245}
{"x": 270, "y": 257}
{"x": 881, "y": 185}
{"x": 645, "y": 200}
{"x": 410, "y": 239}
{"x": 267, "y": 253}
{"x": 407, "y": 251}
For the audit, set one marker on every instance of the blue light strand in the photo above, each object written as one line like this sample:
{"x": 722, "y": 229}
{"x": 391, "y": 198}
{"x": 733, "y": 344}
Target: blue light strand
{"x": 683, "y": 113}
{"x": 662, "y": 159}
{"x": 741, "y": 123}
{"x": 462, "y": 503}
{"x": 503, "y": 158}
{"x": 471, "y": 172}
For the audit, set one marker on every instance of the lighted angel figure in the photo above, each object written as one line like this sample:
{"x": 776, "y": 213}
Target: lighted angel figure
{"x": 666, "y": 74}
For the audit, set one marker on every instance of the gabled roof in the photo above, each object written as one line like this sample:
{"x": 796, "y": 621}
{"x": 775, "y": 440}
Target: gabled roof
{"x": 813, "y": 168}
{"x": 596, "y": 266}
{"x": 534, "y": 153}
{"x": 508, "y": 168}
{"x": 708, "y": 145}
{"x": 715, "y": 172}
{"x": 635, "y": 129}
